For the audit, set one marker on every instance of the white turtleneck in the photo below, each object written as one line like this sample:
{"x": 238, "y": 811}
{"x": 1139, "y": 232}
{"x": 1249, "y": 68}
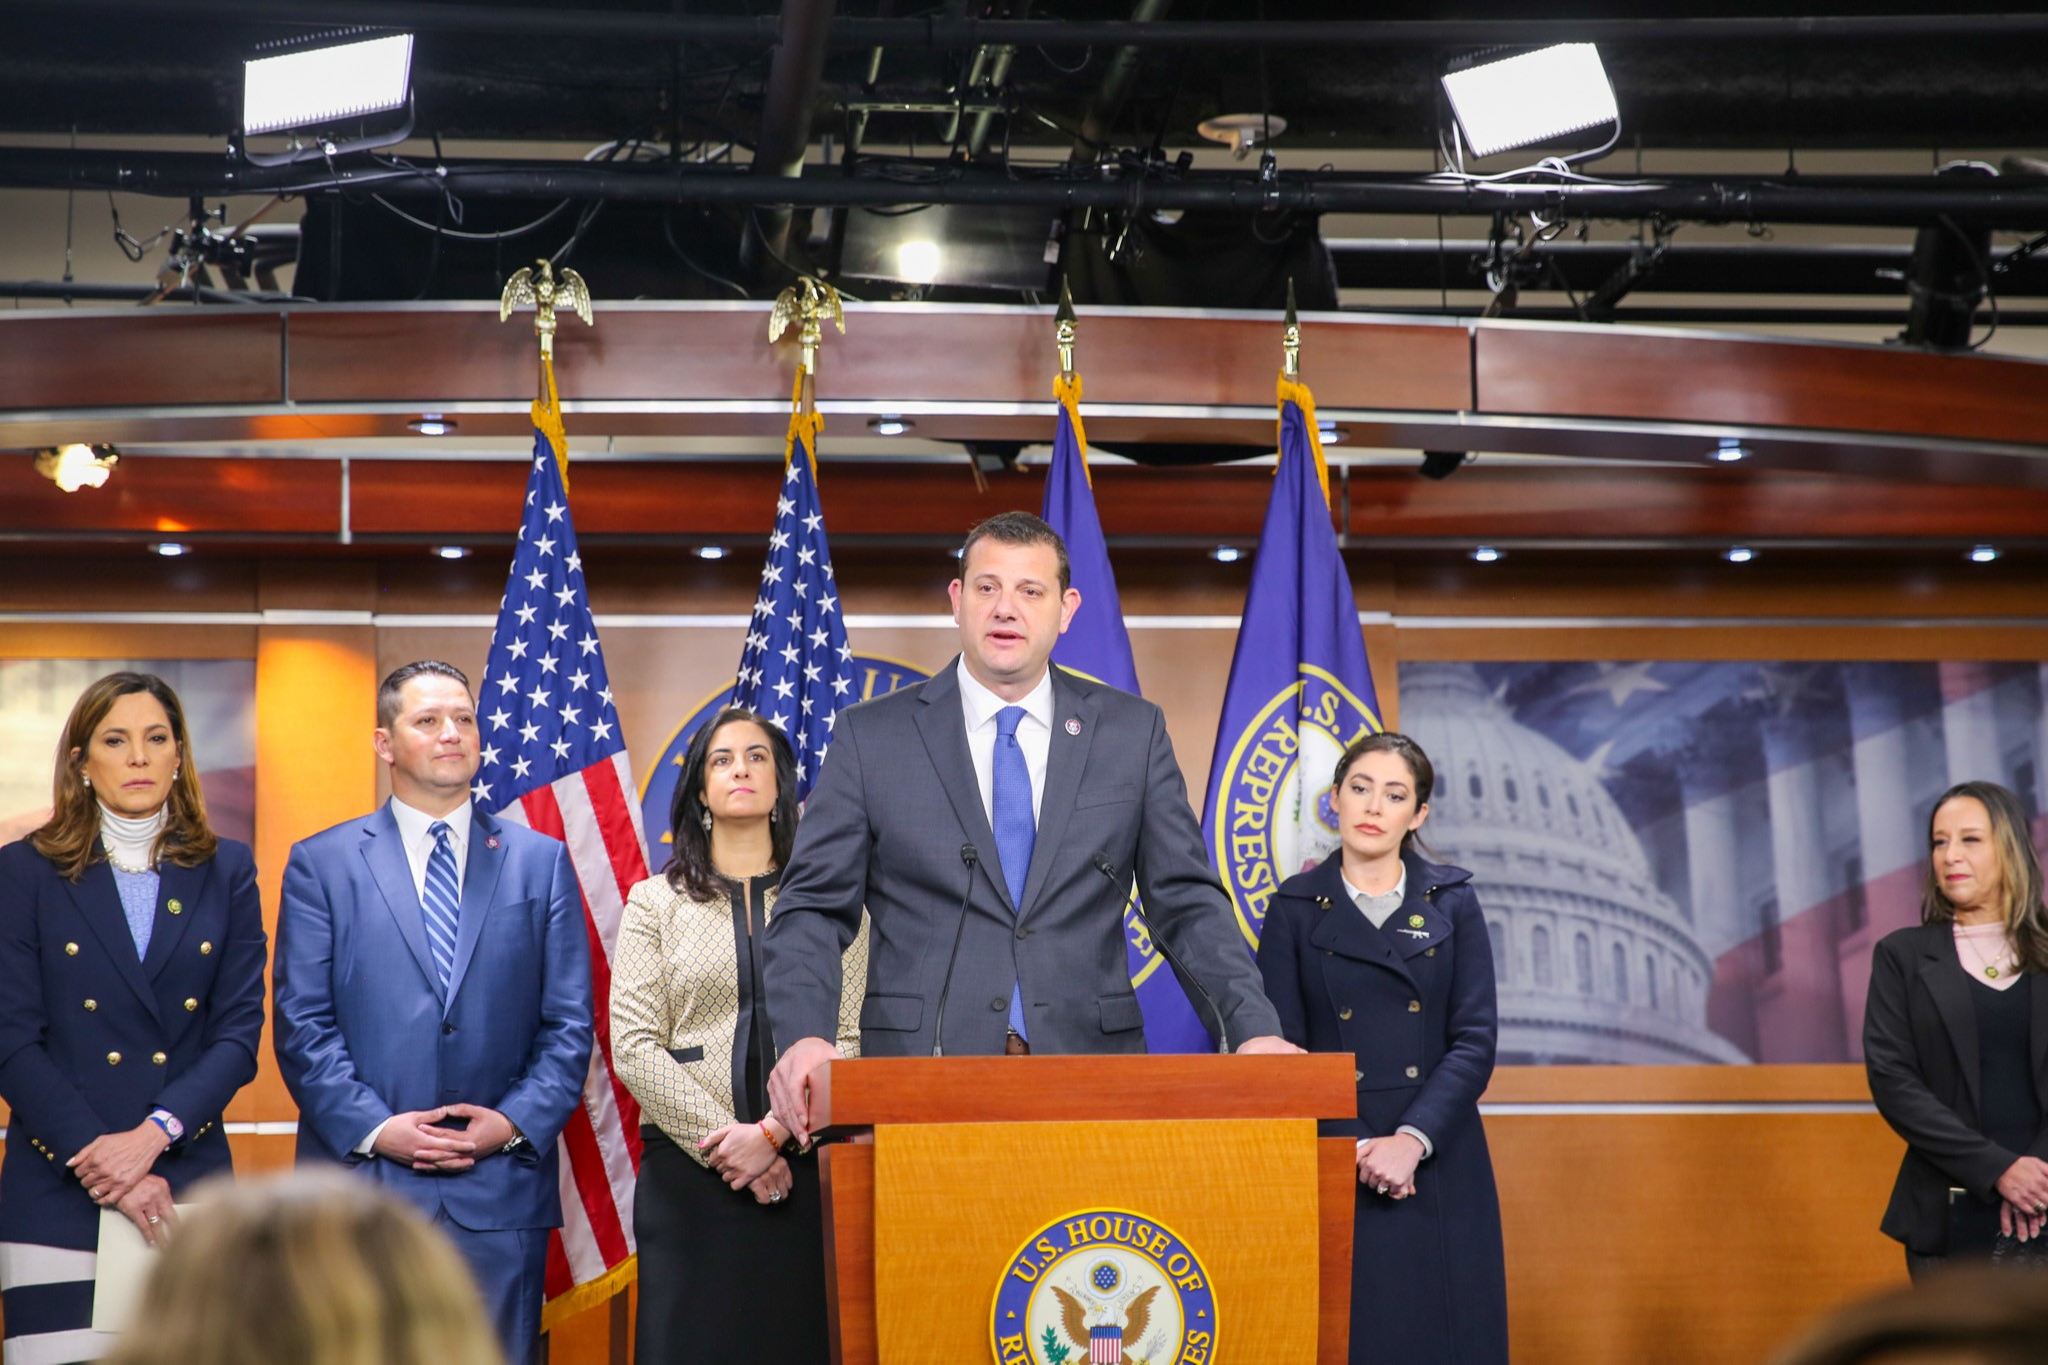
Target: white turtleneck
{"x": 131, "y": 841}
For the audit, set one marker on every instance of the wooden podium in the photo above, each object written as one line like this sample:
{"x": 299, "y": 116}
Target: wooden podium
{"x": 955, "y": 1165}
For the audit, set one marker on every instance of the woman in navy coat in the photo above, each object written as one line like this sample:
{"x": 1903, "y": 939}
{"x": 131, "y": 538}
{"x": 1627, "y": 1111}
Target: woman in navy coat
{"x": 131, "y": 1002}
{"x": 1384, "y": 955}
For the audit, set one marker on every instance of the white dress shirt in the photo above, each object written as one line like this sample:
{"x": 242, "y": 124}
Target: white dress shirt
{"x": 978, "y": 707}
{"x": 414, "y": 826}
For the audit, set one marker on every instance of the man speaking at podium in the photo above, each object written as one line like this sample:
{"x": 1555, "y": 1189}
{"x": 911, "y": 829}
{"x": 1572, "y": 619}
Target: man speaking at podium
{"x": 990, "y": 821}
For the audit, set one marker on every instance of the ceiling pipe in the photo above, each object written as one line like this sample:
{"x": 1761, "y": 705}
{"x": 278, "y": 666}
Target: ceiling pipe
{"x": 941, "y": 32}
{"x": 799, "y": 62}
{"x": 1116, "y": 85}
{"x": 2003, "y": 202}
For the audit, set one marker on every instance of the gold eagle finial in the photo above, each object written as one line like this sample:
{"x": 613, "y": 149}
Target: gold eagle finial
{"x": 806, "y": 302}
{"x": 546, "y": 295}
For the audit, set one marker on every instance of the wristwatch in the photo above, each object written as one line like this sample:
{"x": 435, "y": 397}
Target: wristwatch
{"x": 166, "y": 1120}
{"x": 518, "y": 1141}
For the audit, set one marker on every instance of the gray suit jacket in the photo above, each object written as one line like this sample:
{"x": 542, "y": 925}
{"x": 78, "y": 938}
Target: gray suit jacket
{"x": 885, "y": 827}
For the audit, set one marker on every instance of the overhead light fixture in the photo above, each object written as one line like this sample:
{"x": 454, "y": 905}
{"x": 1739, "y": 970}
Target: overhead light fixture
{"x": 1330, "y": 434}
{"x": 1226, "y": 554}
{"x": 451, "y": 552}
{"x": 1984, "y": 554}
{"x": 1534, "y": 97}
{"x": 432, "y": 424}
{"x": 170, "y": 549}
{"x": 317, "y": 85}
{"x": 1730, "y": 450}
{"x": 1738, "y": 554}
{"x": 890, "y": 425}
{"x": 917, "y": 261}
{"x": 76, "y": 465}
{"x": 711, "y": 552}
{"x": 1242, "y": 132}
{"x": 1486, "y": 554}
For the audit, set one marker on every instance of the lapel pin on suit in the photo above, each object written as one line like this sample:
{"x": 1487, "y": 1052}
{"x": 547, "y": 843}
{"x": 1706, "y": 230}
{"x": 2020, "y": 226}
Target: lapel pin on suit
{"x": 1073, "y": 725}
{"x": 491, "y": 842}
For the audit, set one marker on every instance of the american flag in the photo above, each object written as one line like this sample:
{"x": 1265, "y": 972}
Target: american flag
{"x": 554, "y": 760}
{"x": 796, "y": 668}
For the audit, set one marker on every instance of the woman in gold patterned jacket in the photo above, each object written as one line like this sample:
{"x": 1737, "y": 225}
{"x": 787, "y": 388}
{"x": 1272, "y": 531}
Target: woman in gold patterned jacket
{"x": 726, "y": 1208}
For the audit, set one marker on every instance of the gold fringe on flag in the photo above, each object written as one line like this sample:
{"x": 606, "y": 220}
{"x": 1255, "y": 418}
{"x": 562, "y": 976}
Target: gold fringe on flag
{"x": 547, "y": 417}
{"x": 1295, "y": 392}
{"x": 805, "y": 421}
{"x": 589, "y": 1294}
{"x": 1067, "y": 389}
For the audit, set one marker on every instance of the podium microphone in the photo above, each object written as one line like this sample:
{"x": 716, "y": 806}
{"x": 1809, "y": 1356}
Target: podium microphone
{"x": 970, "y": 857}
{"x": 1108, "y": 869}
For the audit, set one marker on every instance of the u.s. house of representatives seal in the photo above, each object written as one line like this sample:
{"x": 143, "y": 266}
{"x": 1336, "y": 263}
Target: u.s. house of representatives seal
{"x": 1274, "y": 814}
{"x": 1104, "y": 1287}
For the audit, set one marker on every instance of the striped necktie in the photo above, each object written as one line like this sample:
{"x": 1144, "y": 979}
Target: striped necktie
{"x": 441, "y": 903}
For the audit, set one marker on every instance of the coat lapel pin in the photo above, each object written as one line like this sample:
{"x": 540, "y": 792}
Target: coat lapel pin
{"x": 1073, "y": 725}
{"x": 491, "y": 842}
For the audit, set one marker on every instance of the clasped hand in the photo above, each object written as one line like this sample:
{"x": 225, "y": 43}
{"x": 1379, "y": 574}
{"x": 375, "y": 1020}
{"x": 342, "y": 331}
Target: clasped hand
{"x": 414, "y": 1138}
{"x": 740, "y": 1152}
{"x": 1386, "y": 1165}
{"x": 2024, "y": 1189}
{"x": 112, "y": 1164}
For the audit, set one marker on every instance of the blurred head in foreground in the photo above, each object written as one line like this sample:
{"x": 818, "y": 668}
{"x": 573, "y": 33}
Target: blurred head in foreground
{"x": 311, "y": 1267}
{"x": 1976, "y": 1316}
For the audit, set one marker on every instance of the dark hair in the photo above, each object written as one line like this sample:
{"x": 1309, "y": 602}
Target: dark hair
{"x": 1409, "y": 752}
{"x": 1020, "y": 528}
{"x": 388, "y": 691}
{"x": 689, "y": 867}
{"x": 2019, "y": 872}
{"x": 70, "y": 839}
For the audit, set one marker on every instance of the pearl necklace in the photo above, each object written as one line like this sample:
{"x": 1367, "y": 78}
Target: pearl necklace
{"x": 131, "y": 843}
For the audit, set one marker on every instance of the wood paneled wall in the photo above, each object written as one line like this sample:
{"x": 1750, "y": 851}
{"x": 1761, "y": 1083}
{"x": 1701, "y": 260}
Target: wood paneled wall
{"x": 1677, "y": 1236}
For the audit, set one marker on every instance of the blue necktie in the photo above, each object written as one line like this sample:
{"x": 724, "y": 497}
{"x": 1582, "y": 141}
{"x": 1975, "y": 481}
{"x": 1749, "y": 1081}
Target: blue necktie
{"x": 1016, "y": 828}
{"x": 441, "y": 903}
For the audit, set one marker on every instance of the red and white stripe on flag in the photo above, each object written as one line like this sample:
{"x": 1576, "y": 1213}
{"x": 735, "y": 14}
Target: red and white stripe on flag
{"x": 591, "y": 1257}
{"x": 1105, "y": 1350}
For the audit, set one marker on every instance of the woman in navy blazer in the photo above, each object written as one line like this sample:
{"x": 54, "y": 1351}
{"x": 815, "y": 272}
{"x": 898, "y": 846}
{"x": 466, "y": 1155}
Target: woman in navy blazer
{"x": 131, "y": 1002}
{"x": 1384, "y": 955}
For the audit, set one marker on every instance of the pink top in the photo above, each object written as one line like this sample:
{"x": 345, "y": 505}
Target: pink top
{"x": 1984, "y": 946}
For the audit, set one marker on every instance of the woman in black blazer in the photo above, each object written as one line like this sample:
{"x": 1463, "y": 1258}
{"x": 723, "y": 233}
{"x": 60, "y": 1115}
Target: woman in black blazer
{"x": 1382, "y": 954}
{"x": 1955, "y": 1038}
{"x": 131, "y": 1002}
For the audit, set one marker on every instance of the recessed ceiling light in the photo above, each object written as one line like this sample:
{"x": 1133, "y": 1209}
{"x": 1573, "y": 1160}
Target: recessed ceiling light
{"x": 1226, "y": 554}
{"x": 1330, "y": 434}
{"x": 451, "y": 551}
{"x": 432, "y": 424}
{"x": 1984, "y": 554}
{"x": 1738, "y": 554}
{"x": 890, "y": 425}
{"x": 917, "y": 262}
{"x": 1486, "y": 554}
{"x": 711, "y": 552}
{"x": 76, "y": 465}
{"x": 170, "y": 549}
{"x": 1730, "y": 450}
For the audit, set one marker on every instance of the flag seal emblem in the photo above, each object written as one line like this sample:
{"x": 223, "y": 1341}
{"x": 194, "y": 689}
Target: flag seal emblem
{"x": 1073, "y": 725}
{"x": 1273, "y": 783}
{"x": 1103, "y": 1287}
{"x": 1415, "y": 921}
{"x": 491, "y": 841}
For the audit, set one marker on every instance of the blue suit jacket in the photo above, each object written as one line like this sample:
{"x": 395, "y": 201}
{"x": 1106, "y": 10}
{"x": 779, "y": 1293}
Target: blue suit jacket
{"x": 364, "y": 1030}
{"x": 93, "y": 1037}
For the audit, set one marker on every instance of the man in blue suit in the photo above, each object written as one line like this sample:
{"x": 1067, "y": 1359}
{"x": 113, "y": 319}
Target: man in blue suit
{"x": 433, "y": 1013}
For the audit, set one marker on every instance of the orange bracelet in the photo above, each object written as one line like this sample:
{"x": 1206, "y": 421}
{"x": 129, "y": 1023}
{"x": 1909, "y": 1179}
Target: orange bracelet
{"x": 762, "y": 1124}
